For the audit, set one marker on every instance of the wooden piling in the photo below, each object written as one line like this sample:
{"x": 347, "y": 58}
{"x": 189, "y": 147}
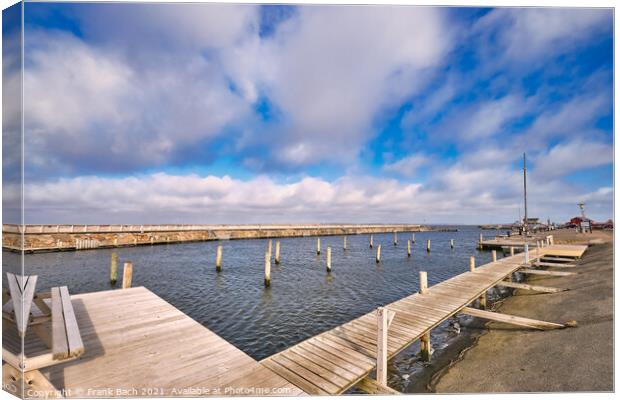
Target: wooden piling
{"x": 512, "y": 250}
{"x": 318, "y": 245}
{"x": 483, "y": 300}
{"x": 371, "y": 241}
{"x": 423, "y": 283}
{"x": 408, "y": 248}
{"x": 113, "y": 276}
{"x": 494, "y": 254}
{"x": 425, "y": 346}
{"x": 218, "y": 259}
{"x": 413, "y": 238}
{"x": 127, "y": 275}
{"x": 267, "y": 269}
{"x": 269, "y": 247}
{"x": 472, "y": 264}
{"x": 451, "y": 243}
{"x": 344, "y": 242}
{"x": 395, "y": 238}
{"x": 277, "y": 252}
{"x": 329, "y": 259}
{"x": 480, "y": 242}
{"x": 379, "y": 253}
{"x": 428, "y": 245}
{"x": 382, "y": 348}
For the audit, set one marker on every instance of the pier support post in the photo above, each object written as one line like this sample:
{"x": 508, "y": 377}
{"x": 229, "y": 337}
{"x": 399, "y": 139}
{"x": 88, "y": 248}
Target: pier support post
{"x": 218, "y": 259}
{"x": 423, "y": 282}
{"x": 472, "y": 264}
{"x": 329, "y": 259}
{"x": 408, "y": 248}
{"x": 382, "y": 348}
{"x": 318, "y": 245}
{"x": 425, "y": 347}
{"x": 428, "y": 245}
{"x": 483, "y": 301}
{"x": 378, "y": 254}
{"x": 113, "y": 276}
{"x": 267, "y": 269}
{"x": 344, "y": 242}
{"x": 512, "y": 250}
{"x": 494, "y": 254}
{"x": 277, "y": 252}
{"x": 395, "y": 238}
{"x": 127, "y": 275}
{"x": 451, "y": 243}
{"x": 371, "y": 241}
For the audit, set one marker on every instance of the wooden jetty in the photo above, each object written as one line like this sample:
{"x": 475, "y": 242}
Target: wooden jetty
{"x": 515, "y": 241}
{"x": 336, "y": 360}
{"x": 138, "y": 345}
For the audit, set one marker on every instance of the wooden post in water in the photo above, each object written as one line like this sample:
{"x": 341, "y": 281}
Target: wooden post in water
{"x": 269, "y": 247}
{"x": 408, "y": 248}
{"x": 329, "y": 259}
{"x": 379, "y": 253}
{"x": 451, "y": 243}
{"x": 395, "y": 238}
{"x": 371, "y": 241}
{"x": 512, "y": 250}
{"x": 494, "y": 254}
{"x": 267, "y": 269}
{"x": 382, "y": 348}
{"x": 318, "y": 245}
{"x": 423, "y": 282}
{"x": 428, "y": 245}
{"x": 413, "y": 238}
{"x": 480, "y": 242}
{"x": 113, "y": 259}
{"x": 127, "y": 275}
{"x": 344, "y": 242}
{"x": 425, "y": 346}
{"x": 218, "y": 259}
{"x": 472, "y": 264}
{"x": 277, "y": 252}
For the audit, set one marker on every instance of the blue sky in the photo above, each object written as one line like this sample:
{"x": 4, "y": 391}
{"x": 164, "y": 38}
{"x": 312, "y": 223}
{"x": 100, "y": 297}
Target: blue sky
{"x": 245, "y": 113}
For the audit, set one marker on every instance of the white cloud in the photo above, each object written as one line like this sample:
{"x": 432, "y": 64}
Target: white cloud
{"x": 408, "y": 166}
{"x": 569, "y": 157}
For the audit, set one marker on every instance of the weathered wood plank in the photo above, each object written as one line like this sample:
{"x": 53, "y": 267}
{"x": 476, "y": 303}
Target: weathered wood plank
{"x": 511, "y": 319}
{"x": 74, "y": 339}
{"x": 535, "y": 288}
{"x": 371, "y": 386}
{"x": 60, "y": 346}
{"x": 546, "y": 273}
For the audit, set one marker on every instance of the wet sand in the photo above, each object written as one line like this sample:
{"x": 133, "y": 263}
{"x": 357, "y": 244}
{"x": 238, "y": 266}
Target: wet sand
{"x": 505, "y": 358}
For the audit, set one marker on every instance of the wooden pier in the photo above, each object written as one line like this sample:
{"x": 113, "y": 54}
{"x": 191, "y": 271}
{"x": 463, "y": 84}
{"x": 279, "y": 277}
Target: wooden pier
{"x": 138, "y": 345}
{"x": 336, "y": 360}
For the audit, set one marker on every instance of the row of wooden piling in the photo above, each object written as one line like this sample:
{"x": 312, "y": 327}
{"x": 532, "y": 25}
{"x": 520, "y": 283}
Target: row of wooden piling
{"x": 127, "y": 271}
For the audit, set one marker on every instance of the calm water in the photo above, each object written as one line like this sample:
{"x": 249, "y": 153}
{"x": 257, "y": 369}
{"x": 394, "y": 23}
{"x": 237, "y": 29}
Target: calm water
{"x": 303, "y": 299}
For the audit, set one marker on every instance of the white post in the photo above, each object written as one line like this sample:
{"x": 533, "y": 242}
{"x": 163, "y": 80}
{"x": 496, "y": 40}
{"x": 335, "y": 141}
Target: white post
{"x": 423, "y": 283}
{"x": 379, "y": 253}
{"x": 382, "y": 330}
{"x": 329, "y": 259}
{"x": 318, "y": 245}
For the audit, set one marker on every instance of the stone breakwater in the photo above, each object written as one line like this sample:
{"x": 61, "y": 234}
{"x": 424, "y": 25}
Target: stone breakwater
{"x": 43, "y": 238}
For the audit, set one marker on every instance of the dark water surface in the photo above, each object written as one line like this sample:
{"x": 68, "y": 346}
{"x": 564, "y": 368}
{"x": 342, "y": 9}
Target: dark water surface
{"x": 303, "y": 299}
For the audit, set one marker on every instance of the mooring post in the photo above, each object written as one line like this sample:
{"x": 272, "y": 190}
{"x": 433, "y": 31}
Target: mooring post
{"x": 428, "y": 245}
{"x": 269, "y": 247}
{"x": 277, "y": 252}
{"x": 378, "y": 253}
{"x": 423, "y": 283}
{"x": 329, "y": 259}
{"x": 395, "y": 238}
{"x": 218, "y": 259}
{"x": 451, "y": 243}
{"x": 127, "y": 275}
{"x": 408, "y": 248}
{"x": 425, "y": 346}
{"x": 267, "y": 269}
{"x": 382, "y": 336}
{"x": 371, "y": 241}
{"x": 472, "y": 264}
{"x": 413, "y": 238}
{"x": 113, "y": 259}
{"x": 344, "y": 242}
{"x": 480, "y": 242}
{"x": 318, "y": 245}
{"x": 512, "y": 250}
{"x": 494, "y": 254}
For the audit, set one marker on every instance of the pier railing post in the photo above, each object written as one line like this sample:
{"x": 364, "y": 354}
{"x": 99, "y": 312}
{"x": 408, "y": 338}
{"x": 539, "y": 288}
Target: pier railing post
{"x": 218, "y": 259}
{"x": 277, "y": 259}
{"x": 378, "y": 254}
{"x": 127, "y": 275}
{"x": 382, "y": 349}
{"x": 113, "y": 274}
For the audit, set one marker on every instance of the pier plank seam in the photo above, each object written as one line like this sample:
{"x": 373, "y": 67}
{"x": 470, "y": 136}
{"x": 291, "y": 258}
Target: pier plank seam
{"x": 416, "y": 315}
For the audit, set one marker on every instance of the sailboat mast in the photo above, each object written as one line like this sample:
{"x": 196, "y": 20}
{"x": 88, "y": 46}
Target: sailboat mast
{"x": 525, "y": 195}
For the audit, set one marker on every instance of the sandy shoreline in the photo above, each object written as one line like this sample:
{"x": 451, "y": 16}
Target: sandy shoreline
{"x": 510, "y": 359}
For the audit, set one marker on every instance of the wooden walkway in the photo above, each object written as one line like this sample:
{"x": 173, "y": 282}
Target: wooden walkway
{"x": 138, "y": 345}
{"x": 336, "y": 360}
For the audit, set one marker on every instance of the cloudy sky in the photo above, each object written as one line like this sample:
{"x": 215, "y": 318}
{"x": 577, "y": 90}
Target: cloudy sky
{"x": 156, "y": 113}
